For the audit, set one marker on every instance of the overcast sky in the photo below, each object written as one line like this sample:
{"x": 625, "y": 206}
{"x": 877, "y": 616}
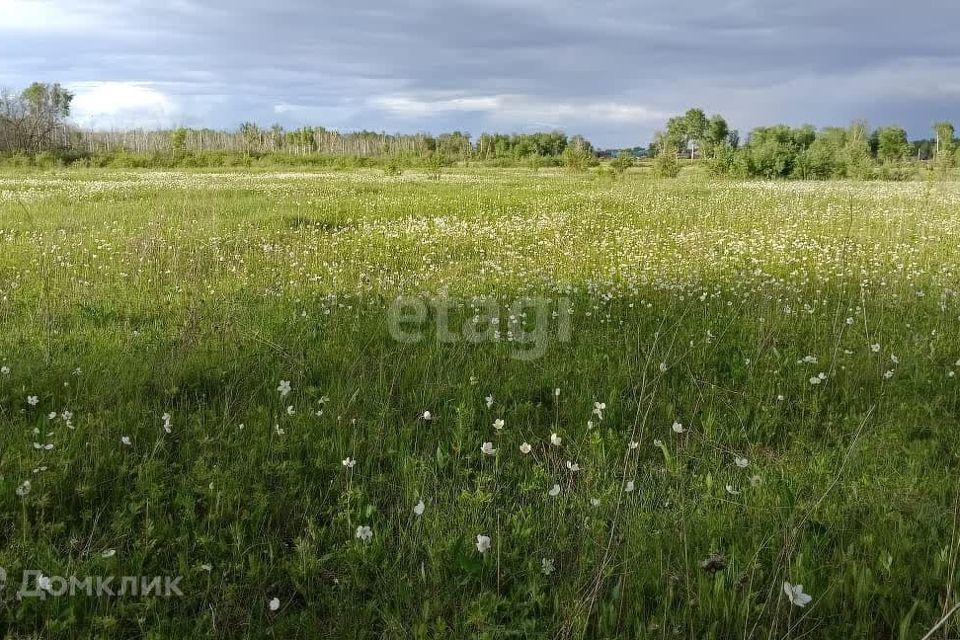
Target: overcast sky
{"x": 612, "y": 70}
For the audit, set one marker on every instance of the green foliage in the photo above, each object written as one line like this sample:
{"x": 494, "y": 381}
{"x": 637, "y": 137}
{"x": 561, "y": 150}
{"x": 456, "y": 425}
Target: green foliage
{"x": 178, "y": 142}
{"x": 694, "y": 134}
{"x": 723, "y": 161}
{"x": 535, "y": 162}
{"x": 944, "y": 138}
{"x": 892, "y": 144}
{"x": 47, "y": 101}
{"x": 434, "y": 165}
{"x": 578, "y": 155}
{"x": 666, "y": 164}
{"x": 500, "y": 147}
{"x": 34, "y": 120}
{"x": 393, "y": 168}
{"x": 622, "y": 162}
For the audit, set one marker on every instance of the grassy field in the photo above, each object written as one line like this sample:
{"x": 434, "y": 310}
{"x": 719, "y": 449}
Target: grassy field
{"x": 691, "y": 393}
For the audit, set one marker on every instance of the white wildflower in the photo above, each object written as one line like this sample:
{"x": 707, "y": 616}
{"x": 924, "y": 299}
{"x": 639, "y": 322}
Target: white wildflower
{"x": 796, "y": 595}
{"x": 546, "y": 566}
{"x": 483, "y": 543}
{"x": 364, "y": 533}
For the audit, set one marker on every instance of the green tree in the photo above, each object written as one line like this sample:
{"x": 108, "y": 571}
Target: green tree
{"x": 694, "y": 135}
{"x": 945, "y": 132}
{"x": 695, "y": 126}
{"x": 666, "y": 164}
{"x": 35, "y": 119}
{"x": 178, "y": 142}
{"x": 252, "y": 137}
{"x": 892, "y": 144}
{"x": 774, "y": 152}
{"x": 856, "y": 151}
{"x": 717, "y": 135}
{"x": 622, "y": 162}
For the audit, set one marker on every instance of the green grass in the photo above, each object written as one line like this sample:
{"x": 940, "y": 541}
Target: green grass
{"x": 127, "y": 295}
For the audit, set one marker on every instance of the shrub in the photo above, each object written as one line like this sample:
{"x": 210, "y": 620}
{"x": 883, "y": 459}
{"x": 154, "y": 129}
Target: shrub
{"x": 666, "y": 165}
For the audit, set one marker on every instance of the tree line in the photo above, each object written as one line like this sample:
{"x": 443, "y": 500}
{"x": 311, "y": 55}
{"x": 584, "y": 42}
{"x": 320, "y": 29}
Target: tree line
{"x": 35, "y": 128}
{"x": 36, "y": 122}
{"x": 806, "y": 153}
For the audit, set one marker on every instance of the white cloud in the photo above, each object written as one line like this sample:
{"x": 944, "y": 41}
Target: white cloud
{"x": 414, "y": 107}
{"x": 32, "y": 16}
{"x": 108, "y": 105}
{"x": 520, "y": 109}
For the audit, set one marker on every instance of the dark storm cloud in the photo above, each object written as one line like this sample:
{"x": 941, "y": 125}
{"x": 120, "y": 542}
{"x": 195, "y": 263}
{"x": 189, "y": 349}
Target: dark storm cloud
{"x": 610, "y": 69}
